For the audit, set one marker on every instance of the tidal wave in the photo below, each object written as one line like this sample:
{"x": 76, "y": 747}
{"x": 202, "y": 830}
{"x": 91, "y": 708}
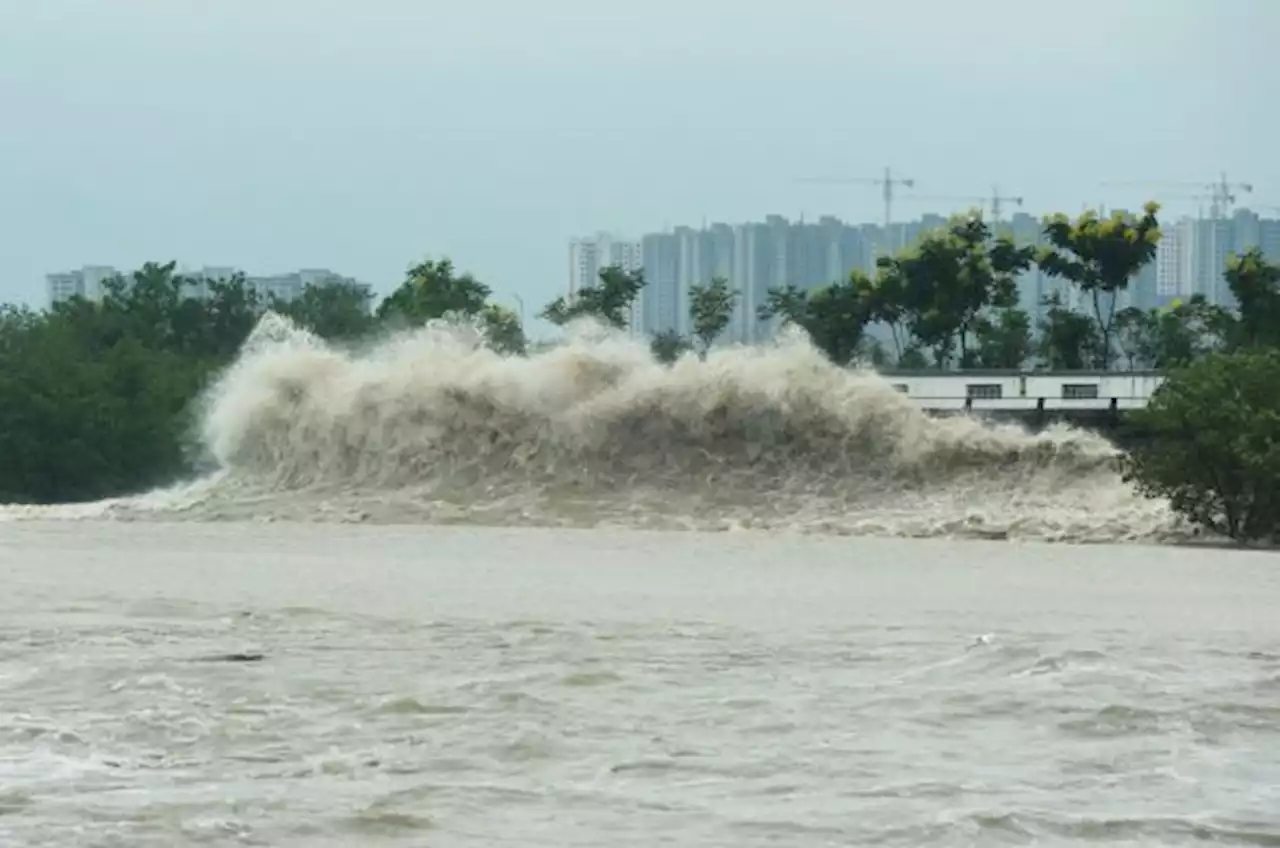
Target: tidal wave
{"x": 432, "y": 426}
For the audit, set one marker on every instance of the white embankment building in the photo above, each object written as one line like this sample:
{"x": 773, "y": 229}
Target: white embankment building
{"x": 1027, "y": 392}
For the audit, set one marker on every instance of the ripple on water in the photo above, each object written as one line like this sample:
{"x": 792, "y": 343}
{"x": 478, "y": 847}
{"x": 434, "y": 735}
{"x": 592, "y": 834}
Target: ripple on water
{"x": 524, "y": 729}
{"x": 1114, "y": 720}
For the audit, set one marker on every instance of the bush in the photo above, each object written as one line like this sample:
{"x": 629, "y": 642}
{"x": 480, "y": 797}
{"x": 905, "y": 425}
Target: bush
{"x": 1212, "y": 445}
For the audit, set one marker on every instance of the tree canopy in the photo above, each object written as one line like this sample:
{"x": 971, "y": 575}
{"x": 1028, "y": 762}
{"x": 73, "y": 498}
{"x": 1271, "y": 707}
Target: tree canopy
{"x": 946, "y": 285}
{"x": 1211, "y": 444}
{"x": 608, "y": 300}
{"x": 1101, "y": 256}
{"x": 97, "y": 397}
{"x": 710, "y": 310}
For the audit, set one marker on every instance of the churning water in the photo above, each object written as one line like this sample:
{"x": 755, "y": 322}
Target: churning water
{"x": 432, "y": 427}
{"x": 480, "y": 687}
{"x": 235, "y": 662}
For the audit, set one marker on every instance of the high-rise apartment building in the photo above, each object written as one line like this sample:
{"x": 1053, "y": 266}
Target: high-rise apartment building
{"x": 1192, "y": 254}
{"x": 659, "y": 302}
{"x": 86, "y": 282}
{"x": 754, "y": 258}
{"x": 64, "y": 285}
{"x": 587, "y": 256}
{"x": 1169, "y": 276}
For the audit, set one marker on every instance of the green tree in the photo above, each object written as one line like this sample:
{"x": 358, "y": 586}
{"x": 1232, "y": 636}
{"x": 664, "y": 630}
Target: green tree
{"x": 164, "y": 311}
{"x": 1255, "y": 283}
{"x": 231, "y": 309}
{"x": 710, "y": 310}
{"x": 432, "y": 290}
{"x": 1068, "y": 339}
{"x": 1176, "y": 335}
{"x": 948, "y": 281}
{"x": 1209, "y": 444}
{"x": 668, "y": 346}
{"x": 786, "y": 304}
{"x": 334, "y": 310}
{"x": 834, "y": 316}
{"x": 1101, "y": 256}
{"x": 887, "y": 302}
{"x": 1004, "y": 339}
{"x": 608, "y": 300}
{"x": 502, "y": 329}
{"x": 838, "y": 318}
{"x": 85, "y": 416}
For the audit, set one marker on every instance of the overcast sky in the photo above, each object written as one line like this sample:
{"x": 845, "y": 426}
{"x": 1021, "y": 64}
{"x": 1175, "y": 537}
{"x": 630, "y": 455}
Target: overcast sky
{"x": 360, "y": 135}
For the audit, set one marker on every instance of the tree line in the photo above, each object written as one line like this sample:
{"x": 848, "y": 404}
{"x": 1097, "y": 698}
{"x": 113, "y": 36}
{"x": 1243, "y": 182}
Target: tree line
{"x": 97, "y": 396}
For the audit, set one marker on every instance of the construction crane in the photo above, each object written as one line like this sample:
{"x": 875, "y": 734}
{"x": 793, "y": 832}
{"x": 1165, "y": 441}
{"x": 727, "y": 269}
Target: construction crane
{"x": 995, "y": 200}
{"x": 1222, "y": 193}
{"x": 1212, "y": 198}
{"x": 887, "y": 185}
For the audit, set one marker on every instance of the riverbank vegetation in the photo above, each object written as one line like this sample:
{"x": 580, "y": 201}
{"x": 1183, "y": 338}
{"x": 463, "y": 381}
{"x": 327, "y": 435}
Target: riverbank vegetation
{"x": 98, "y": 397}
{"x": 1211, "y": 432}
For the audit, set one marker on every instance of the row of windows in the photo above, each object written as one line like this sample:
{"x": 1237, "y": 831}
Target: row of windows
{"x": 995, "y": 391}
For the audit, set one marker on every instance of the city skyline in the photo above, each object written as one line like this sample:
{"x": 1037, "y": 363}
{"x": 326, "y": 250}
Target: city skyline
{"x": 758, "y": 255}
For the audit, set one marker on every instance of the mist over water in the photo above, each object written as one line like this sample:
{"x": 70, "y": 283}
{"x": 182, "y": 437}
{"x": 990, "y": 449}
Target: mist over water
{"x": 431, "y": 426}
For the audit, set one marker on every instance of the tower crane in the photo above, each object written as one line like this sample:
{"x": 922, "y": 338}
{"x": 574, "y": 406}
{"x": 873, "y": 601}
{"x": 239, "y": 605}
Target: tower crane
{"x": 1215, "y": 199}
{"x": 887, "y": 184}
{"x": 1222, "y": 193}
{"x": 995, "y": 200}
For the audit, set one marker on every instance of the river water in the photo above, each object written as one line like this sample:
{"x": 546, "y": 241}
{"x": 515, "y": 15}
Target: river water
{"x": 475, "y": 686}
{"x": 430, "y": 596}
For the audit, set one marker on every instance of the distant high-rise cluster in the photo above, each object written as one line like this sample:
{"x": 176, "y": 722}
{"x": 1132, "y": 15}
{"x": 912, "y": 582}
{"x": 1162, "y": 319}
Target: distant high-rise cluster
{"x": 1193, "y": 252}
{"x": 777, "y": 252}
{"x": 88, "y": 282}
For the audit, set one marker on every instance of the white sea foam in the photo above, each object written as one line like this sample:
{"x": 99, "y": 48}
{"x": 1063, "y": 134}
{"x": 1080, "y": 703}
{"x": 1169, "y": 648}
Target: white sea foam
{"x": 432, "y": 426}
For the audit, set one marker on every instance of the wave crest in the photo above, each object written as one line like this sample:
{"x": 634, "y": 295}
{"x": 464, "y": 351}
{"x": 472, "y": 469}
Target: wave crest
{"x": 432, "y": 425}
{"x": 433, "y": 407}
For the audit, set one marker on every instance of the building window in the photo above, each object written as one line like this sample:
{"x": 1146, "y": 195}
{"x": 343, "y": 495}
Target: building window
{"x": 901, "y": 387}
{"x": 984, "y": 391}
{"x": 1080, "y": 391}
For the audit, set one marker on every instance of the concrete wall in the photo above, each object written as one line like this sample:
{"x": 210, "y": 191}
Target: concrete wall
{"x": 1006, "y": 391}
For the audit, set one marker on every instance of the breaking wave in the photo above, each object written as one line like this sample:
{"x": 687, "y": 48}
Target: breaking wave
{"x": 431, "y": 426}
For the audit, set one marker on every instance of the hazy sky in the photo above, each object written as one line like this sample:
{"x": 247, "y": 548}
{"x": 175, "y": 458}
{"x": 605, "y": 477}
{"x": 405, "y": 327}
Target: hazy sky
{"x": 361, "y": 135}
